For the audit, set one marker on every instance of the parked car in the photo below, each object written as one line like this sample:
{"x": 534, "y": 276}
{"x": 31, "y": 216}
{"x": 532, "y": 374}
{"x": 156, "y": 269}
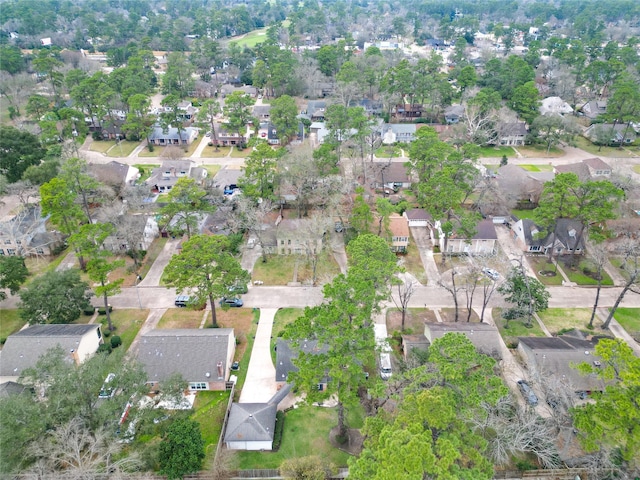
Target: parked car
{"x": 339, "y": 227}
{"x": 238, "y": 288}
{"x": 235, "y": 366}
{"x": 229, "y": 189}
{"x": 231, "y": 302}
{"x": 527, "y": 393}
{"x": 182, "y": 300}
{"x": 108, "y": 389}
{"x": 491, "y": 273}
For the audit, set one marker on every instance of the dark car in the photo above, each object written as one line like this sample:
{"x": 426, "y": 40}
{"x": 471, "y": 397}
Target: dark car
{"x": 238, "y": 288}
{"x": 235, "y": 366}
{"x": 229, "y": 189}
{"x": 231, "y": 302}
{"x": 527, "y": 393}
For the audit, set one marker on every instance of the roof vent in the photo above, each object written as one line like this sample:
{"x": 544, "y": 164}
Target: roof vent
{"x": 586, "y": 352}
{"x": 572, "y": 233}
{"x": 597, "y": 363}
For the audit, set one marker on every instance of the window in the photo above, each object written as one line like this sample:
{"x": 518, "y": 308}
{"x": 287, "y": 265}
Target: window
{"x": 11, "y": 251}
{"x": 18, "y": 242}
{"x": 1, "y": 252}
{"x": 7, "y": 242}
{"x": 289, "y": 242}
{"x": 197, "y": 386}
{"x": 39, "y": 251}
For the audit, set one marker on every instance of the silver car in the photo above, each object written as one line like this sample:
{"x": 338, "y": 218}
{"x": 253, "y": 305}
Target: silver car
{"x": 527, "y": 393}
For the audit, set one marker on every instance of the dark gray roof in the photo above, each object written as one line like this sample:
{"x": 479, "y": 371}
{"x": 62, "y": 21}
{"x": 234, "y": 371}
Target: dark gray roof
{"x": 280, "y": 394}
{"x": 568, "y": 233}
{"x": 485, "y": 337}
{"x": 23, "y": 349}
{"x": 11, "y": 388}
{"x": 193, "y": 353}
{"x": 513, "y": 128}
{"x": 113, "y": 173}
{"x": 251, "y": 422}
{"x": 171, "y": 133}
{"x": 286, "y": 353}
{"x": 486, "y": 230}
{"x": 418, "y": 214}
{"x": 530, "y": 229}
{"x": 260, "y": 110}
{"x": 581, "y": 169}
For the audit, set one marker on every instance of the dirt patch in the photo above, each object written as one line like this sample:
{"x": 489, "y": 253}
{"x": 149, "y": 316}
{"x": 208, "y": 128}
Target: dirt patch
{"x": 414, "y": 321}
{"x": 352, "y": 446}
{"x": 241, "y": 320}
{"x": 448, "y": 315}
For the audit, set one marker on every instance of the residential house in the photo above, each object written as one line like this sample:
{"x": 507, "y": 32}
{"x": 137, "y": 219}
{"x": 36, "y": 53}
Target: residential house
{"x": 23, "y": 349}
{"x": 161, "y": 138}
{"x": 392, "y": 175}
{"x": 522, "y": 186}
{"x": 202, "y": 356}
{"x": 25, "y": 234}
{"x": 187, "y": 112}
{"x": 418, "y": 217}
{"x": 512, "y": 134}
{"x": 594, "y": 108}
{"x": 371, "y": 107}
{"x": 611, "y": 134}
{"x": 116, "y": 174}
{"x": 485, "y": 337}
{"x": 413, "y": 342}
{"x": 557, "y": 356}
{"x": 163, "y": 179}
{"x": 287, "y": 353}
{"x": 588, "y": 169}
{"x": 298, "y": 237}
{"x": 262, "y": 113}
{"x": 384, "y": 45}
{"x": 141, "y": 229}
{"x": 315, "y": 110}
{"x": 250, "y": 426}
{"x": 554, "y": 106}
{"x": 406, "y": 111}
{"x": 565, "y": 240}
{"x": 227, "y": 138}
{"x": 482, "y": 243}
{"x": 453, "y": 114}
{"x": 399, "y": 228}
{"x": 268, "y": 132}
{"x": 393, "y": 133}
{"x": 436, "y": 44}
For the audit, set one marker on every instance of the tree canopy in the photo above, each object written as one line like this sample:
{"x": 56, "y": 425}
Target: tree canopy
{"x": 20, "y": 150}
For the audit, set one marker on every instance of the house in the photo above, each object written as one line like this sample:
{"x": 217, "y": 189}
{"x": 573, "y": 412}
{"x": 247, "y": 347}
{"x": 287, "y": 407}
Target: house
{"x": 371, "y": 107}
{"x": 163, "y": 179}
{"x": 315, "y": 110}
{"x": 482, "y": 243}
{"x": 436, "y": 44}
{"x": 393, "y": 133}
{"x": 143, "y": 230}
{"x": 611, "y": 134}
{"x": 594, "y": 108}
{"x": 399, "y": 228}
{"x": 161, "y": 138}
{"x": 453, "y": 114}
{"x": 268, "y": 132}
{"x": 262, "y": 112}
{"x": 187, "y": 112}
{"x": 522, "y": 186}
{"x": 392, "y": 175}
{"x": 298, "y": 237}
{"x": 407, "y": 111}
{"x": 250, "y": 426}
{"x": 202, "y": 356}
{"x": 226, "y": 138}
{"x": 512, "y": 134}
{"x": 557, "y": 356}
{"x": 287, "y": 353}
{"x": 554, "y": 106}
{"x": 23, "y": 349}
{"x": 25, "y": 234}
{"x": 588, "y": 169}
{"x": 114, "y": 173}
{"x": 413, "y": 342}
{"x": 418, "y": 217}
{"x": 531, "y": 238}
{"x": 485, "y": 337}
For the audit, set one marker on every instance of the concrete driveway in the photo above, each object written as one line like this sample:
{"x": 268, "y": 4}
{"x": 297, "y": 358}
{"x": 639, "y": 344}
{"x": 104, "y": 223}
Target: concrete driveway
{"x": 511, "y": 249}
{"x": 425, "y": 249}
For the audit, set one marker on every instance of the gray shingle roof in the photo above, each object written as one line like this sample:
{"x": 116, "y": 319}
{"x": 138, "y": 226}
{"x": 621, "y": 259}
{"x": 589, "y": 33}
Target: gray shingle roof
{"x": 193, "y": 353}
{"x": 418, "y": 214}
{"x": 485, "y": 337}
{"x": 285, "y": 355}
{"x": 251, "y": 422}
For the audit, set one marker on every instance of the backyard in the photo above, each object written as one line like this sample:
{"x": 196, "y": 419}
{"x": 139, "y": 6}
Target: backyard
{"x": 210, "y": 408}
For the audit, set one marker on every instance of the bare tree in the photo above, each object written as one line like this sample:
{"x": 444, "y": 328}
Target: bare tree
{"x": 253, "y": 218}
{"x": 631, "y": 267}
{"x": 472, "y": 278}
{"x": 599, "y": 257}
{"x": 452, "y": 287}
{"x": 405, "y": 288}
{"x": 310, "y": 233}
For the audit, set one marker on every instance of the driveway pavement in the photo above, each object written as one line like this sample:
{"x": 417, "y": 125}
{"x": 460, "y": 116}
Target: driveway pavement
{"x": 510, "y": 248}
{"x": 425, "y": 249}
{"x": 260, "y": 384}
{"x": 152, "y": 278}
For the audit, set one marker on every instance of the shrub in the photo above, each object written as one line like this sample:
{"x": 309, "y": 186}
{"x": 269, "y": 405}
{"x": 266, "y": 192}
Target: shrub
{"x": 103, "y": 311}
{"x": 116, "y": 341}
{"x": 277, "y": 433}
{"x": 104, "y": 347}
{"x": 89, "y": 311}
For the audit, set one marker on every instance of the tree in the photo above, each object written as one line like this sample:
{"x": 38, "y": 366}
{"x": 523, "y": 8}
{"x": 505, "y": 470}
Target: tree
{"x": 172, "y": 116}
{"x": 55, "y": 297}
{"x": 236, "y": 109}
{"x": 631, "y": 267}
{"x": 259, "y": 173}
{"x": 13, "y": 273}
{"x": 58, "y": 201}
{"x": 306, "y": 468}
{"x": 186, "y": 202}
{"x": 139, "y": 122}
{"x": 207, "y": 115}
{"x": 361, "y": 215}
{"x": 182, "y": 449}
{"x": 405, "y": 288}
{"x": 610, "y": 422}
{"x": 12, "y": 60}
{"x": 177, "y": 80}
{"x": 552, "y": 129}
{"x": 98, "y": 269}
{"x": 284, "y": 116}
{"x": 43, "y": 173}
{"x": 599, "y": 257}
{"x": 528, "y": 295}
{"x": 525, "y": 101}
{"x": 46, "y": 63}
{"x": 206, "y": 267}
{"x": 75, "y": 172}
{"x": 20, "y": 150}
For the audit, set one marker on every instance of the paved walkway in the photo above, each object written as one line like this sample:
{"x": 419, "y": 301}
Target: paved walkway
{"x": 338, "y": 250}
{"x": 260, "y": 383}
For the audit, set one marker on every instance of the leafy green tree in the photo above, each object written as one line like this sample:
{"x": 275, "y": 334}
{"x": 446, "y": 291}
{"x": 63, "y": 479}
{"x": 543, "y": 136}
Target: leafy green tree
{"x": 20, "y": 150}
{"x": 177, "y": 80}
{"x": 139, "y": 122}
{"x": 37, "y": 106}
{"x": 306, "y": 468}
{"x": 236, "y": 109}
{"x": 42, "y": 173}
{"x": 172, "y": 116}
{"x": 329, "y": 59}
{"x": 207, "y": 268}
{"x": 75, "y": 172}
{"x": 207, "y": 116}
{"x": 13, "y": 273}
{"x": 186, "y": 202}
{"x": 48, "y": 64}
{"x": 259, "y": 171}
{"x": 610, "y": 423}
{"x": 525, "y": 101}
{"x": 98, "y": 270}
{"x": 552, "y": 129}
{"x": 528, "y": 295}
{"x": 182, "y": 449}
{"x": 58, "y": 200}
{"x": 283, "y": 114}
{"x": 55, "y": 297}
{"x": 12, "y": 60}
{"x": 361, "y": 215}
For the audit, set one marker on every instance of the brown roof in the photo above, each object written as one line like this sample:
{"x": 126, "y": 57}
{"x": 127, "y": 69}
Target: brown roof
{"x": 395, "y": 172}
{"x": 418, "y": 214}
{"x": 597, "y": 163}
{"x": 398, "y": 225}
{"x": 486, "y": 231}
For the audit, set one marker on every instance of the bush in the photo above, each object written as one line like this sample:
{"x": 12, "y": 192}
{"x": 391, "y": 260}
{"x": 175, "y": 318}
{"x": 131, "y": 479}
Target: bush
{"x": 104, "y": 347}
{"x": 235, "y": 240}
{"x": 89, "y": 311}
{"x": 277, "y": 433}
{"x": 103, "y": 311}
{"x": 106, "y": 333}
{"x": 116, "y": 341}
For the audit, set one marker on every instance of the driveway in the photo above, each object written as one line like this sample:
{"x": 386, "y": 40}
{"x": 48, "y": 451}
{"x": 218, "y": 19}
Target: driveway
{"x": 510, "y": 248}
{"x": 152, "y": 279}
{"x": 425, "y": 248}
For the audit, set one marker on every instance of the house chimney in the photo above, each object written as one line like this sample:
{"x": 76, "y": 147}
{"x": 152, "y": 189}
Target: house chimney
{"x": 220, "y": 370}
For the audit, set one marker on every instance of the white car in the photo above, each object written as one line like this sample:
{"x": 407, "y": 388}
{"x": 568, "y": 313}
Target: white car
{"x": 491, "y": 273}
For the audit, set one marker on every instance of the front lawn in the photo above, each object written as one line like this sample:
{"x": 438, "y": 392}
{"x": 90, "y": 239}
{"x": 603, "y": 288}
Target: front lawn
{"x": 496, "y": 152}
{"x": 181, "y": 318}
{"x": 586, "y": 145}
{"x": 11, "y": 323}
{"x": 388, "y": 151}
{"x": 279, "y": 269}
{"x": 636, "y": 168}
{"x": 557, "y": 319}
{"x": 629, "y": 318}
{"x": 306, "y": 432}
{"x": 521, "y": 214}
{"x": 414, "y": 321}
{"x": 539, "y": 264}
{"x": 584, "y": 272}
{"x": 127, "y": 322}
{"x": 101, "y": 146}
{"x": 152, "y": 254}
{"x": 212, "y": 170}
{"x": 511, "y": 330}
{"x": 537, "y": 151}
{"x": 210, "y": 408}
{"x": 122, "y": 149}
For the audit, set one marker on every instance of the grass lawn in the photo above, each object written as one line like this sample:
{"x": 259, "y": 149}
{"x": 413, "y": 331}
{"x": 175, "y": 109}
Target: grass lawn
{"x": 537, "y": 168}
{"x": 101, "y": 145}
{"x": 586, "y": 145}
{"x": 412, "y": 262}
{"x": 515, "y": 328}
{"x": 145, "y": 171}
{"x": 123, "y": 149}
{"x": 556, "y": 319}
{"x": 212, "y": 170}
{"x": 181, "y": 318}
{"x": 579, "y": 273}
{"x": 414, "y": 321}
{"x": 157, "y": 152}
{"x": 539, "y": 263}
{"x": 279, "y": 269}
{"x": 326, "y": 269}
{"x": 458, "y": 261}
{"x": 537, "y": 151}
{"x": 210, "y": 408}
{"x": 523, "y": 213}
{"x": 388, "y": 151}
{"x": 127, "y": 322}
{"x": 629, "y": 318}
{"x": 496, "y": 152}
{"x": 11, "y": 323}
{"x": 449, "y": 315}
{"x": 636, "y": 168}
{"x": 283, "y": 317}
{"x": 251, "y": 39}
{"x": 210, "y": 152}
{"x": 306, "y": 432}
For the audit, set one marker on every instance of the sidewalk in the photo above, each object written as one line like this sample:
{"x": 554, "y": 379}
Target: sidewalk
{"x": 260, "y": 383}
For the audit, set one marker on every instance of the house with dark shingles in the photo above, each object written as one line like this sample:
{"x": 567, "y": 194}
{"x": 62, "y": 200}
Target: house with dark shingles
{"x": 202, "y": 356}
{"x": 520, "y": 185}
{"x": 531, "y": 238}
{"x": 404, "y": 111}
{"x": 610, "y": 134}
{"x": 393, "y": 133}
{"x": 114, "y": 173}
{"x": 392, "y": 175}
{"x": 484, "y": 337}
{"x": 594, "y": 108}
{"x": 23, "y": 349}
{"x": 453, "y": 114}
{"x": 250, "y": 426}
{"x": 588, "y": 169}
{"x": 25, "y": 234}
{"x": 482, "y": 243}
{"x": 295, "y": 236}
{"x": 512, "y": 134}
{"x": 315, "y": 110}
{"x": 162, "y": 138}
{"x": 164, "y": 178}
{"x": 286, "y": 353}
{"x": 262, "y": 112}
{"x": 557, "y": 356}
{"x": 8, "y": 389}
{"x": 418, "y": 217}
{"x": 268, "y": 132}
